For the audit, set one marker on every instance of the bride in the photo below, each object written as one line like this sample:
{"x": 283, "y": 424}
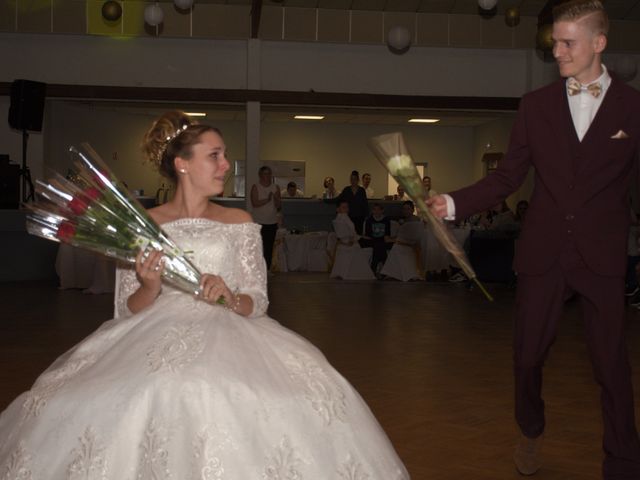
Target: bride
{"x": 179, "y": 387}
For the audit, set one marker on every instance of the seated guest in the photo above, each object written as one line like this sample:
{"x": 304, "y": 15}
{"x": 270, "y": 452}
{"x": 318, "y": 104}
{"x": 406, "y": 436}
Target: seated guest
{"x": 377, "y": 234}
{"x": 502, "y": 218}
{"x": 366, "y": 184}
{"x": 329, "y": 188}
{"x": 408, "y": 215}
{"x": 292, "y": 191}
{"x": 400, "y": 193}
{"x": 426, "y": 183}
{"x": 343, "y": 225}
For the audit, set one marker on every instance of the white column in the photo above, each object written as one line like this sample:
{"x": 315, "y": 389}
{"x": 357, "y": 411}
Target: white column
{"x": 254, "y": 63}
{"x": 252, "y": 162}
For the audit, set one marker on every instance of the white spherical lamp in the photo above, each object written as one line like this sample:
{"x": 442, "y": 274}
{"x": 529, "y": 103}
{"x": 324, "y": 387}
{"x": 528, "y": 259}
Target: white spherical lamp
{"x": 399, "y": 39}
{"x": 487, "y": 4}
{"x": 153, "y": 15}
{"x": 183, "y": 4}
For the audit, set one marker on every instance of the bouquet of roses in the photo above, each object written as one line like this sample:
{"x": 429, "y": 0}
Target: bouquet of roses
{"x": 392, "y": 152}
{"x": 96, "y": 212}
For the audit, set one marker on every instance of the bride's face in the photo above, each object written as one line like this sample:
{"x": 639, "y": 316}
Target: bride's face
{"x": 206, "y": 168}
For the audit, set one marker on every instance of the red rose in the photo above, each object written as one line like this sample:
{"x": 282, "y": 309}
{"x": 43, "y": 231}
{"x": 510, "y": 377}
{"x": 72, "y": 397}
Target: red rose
{"x": 66, "y": 231}
{"x": 81, "y": 202}
{"x": 92, "y": 193}
{"x": 78, "y": 206}
{"x": 97, "y": 177}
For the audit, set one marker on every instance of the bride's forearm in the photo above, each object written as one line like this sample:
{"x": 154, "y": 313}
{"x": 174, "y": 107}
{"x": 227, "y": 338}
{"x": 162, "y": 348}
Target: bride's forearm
{"x": 141, "y": 299}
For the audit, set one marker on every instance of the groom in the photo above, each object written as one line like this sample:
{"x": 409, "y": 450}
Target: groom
{"x": 581, "y": 135}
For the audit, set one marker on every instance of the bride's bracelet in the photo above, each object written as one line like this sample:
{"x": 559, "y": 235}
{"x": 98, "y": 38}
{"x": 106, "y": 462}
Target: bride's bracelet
{"x": 235, "y": 304}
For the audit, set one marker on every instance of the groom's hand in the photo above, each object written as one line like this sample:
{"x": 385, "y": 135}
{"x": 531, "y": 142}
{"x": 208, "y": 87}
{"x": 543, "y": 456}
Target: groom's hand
{"x": 438, "y": 206}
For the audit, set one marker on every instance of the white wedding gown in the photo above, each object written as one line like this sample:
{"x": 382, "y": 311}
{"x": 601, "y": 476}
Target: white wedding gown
{"x": 185, "y": 390}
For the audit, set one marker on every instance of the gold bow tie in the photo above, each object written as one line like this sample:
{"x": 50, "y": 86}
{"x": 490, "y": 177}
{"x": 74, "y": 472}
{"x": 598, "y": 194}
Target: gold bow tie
{"x": 574, "y": 87}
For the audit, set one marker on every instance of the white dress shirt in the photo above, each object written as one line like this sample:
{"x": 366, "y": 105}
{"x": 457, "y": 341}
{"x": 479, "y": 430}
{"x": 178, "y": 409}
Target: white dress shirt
{"x": 583, "y": 108}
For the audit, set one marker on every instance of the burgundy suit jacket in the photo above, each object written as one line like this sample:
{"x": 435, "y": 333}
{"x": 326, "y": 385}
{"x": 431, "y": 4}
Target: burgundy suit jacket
{"x": 581, "y": 191}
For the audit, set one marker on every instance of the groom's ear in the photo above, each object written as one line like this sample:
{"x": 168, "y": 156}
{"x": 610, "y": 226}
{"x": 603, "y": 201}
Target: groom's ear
{"x": 599, "y": 43}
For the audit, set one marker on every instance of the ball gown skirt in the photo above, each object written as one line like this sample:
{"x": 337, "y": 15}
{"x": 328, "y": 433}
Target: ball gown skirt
{"x": 187, "y": 390}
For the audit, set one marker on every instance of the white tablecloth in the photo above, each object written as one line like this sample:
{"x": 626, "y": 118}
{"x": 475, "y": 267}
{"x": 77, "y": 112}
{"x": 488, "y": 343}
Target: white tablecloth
{"x": 307, "y": 252}
{"x": 78, "y": 268}
{"x": 434, "y": 256}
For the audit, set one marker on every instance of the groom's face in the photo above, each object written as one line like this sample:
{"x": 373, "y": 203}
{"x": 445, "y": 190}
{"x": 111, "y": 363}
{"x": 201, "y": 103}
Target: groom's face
{"x": 577, "y": 49}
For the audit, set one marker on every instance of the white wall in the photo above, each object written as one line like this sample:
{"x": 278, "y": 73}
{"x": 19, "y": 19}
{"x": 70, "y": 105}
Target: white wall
{"x": 494, "y": 137}
{"x": 373, "y": 69}
{"x": 337, "y": 149}
{"x": 333, "y": 150}
{"x": 140, "y": 62}
{"x": 297, "y": 66}
{"x": 116, "y": 132}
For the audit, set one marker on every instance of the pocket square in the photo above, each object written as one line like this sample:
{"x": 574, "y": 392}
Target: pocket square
{"x": 620, "y": 134}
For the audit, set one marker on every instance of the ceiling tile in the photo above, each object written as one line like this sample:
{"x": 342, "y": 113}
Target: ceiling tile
{"x": 302, "y": 3}
{"x": 335, "y": 4}
{"x": 436, "y": 6}
{"x": 402, "y": 5}
{"x": 368, "y": 5}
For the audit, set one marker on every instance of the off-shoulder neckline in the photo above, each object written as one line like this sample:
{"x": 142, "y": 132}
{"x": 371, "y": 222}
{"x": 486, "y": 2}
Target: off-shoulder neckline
{"x": 202, "y": 220}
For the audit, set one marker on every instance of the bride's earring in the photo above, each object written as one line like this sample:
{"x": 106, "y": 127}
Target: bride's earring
{"x": 182, "y": 170}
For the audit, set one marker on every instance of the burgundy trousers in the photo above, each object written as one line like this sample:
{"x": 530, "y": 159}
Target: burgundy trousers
{"x": 539, "y": 304}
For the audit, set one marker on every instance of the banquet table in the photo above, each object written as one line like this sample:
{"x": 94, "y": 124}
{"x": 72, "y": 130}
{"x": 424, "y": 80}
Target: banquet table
{"x": 435, "y": 257}
{"x": 307, "y": 252}
{"x": 303, "y": 252}
{"x": 78, "y": 268}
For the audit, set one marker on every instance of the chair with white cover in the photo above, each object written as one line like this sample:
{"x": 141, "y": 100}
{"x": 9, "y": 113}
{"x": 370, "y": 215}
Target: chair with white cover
{"x": 90, "y": 271}
{"x": 317, "y": 254}
{"x": 435, "y": 257}
{"x": 350, "y": 262}
{"x": 394, "y": 227}
{"x": 279, "y": 256}
{"x": 403, "y": 262}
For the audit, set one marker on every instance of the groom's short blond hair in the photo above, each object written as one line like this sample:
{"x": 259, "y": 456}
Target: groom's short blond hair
{"x": 590, "y": 11}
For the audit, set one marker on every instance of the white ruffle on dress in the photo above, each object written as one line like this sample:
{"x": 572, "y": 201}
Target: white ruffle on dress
{"x": 187, "y": 390}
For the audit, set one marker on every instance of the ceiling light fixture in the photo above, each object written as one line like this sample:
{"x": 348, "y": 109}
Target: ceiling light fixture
{"x": 424, "y": 120}
{"x": 309, "y": 117}
{"x": 196, "y": 114}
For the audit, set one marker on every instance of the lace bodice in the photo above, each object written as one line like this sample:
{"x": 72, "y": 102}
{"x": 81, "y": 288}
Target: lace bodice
{"x": 233, "y": 251}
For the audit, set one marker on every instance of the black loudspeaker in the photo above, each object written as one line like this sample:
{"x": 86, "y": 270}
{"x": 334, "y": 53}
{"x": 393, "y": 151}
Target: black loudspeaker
{"x": 27, "y": 105}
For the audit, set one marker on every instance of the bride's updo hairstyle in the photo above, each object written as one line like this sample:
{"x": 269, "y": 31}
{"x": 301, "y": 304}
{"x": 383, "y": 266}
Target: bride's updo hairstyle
{"x": 172, "y": 135}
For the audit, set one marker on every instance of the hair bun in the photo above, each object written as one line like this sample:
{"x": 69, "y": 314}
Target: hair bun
{"x": 163, "y": 130}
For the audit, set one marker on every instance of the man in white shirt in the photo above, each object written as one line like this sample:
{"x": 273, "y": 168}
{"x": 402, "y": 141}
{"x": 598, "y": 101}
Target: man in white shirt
{"x": 292, "y": 191}
{"x": 581, "y": 135}
{"x": 366, "y": 184}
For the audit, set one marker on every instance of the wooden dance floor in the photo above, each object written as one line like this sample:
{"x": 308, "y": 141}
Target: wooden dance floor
{"x": 433, "y": 361}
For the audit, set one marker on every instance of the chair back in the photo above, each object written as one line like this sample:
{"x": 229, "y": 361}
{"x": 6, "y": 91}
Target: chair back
{"x": 343, "y": 231}
{"x": 411, "y": 233}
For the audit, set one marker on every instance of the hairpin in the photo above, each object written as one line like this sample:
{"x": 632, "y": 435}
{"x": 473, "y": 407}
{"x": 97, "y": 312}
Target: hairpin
{"x": 169, "y": 139}
{"x": 176, "y": 133}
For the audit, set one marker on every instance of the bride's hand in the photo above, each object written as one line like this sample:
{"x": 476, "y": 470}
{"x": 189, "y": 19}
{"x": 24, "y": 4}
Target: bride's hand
{"x": 213, "y": 288}
{"x": 149, "y": 270}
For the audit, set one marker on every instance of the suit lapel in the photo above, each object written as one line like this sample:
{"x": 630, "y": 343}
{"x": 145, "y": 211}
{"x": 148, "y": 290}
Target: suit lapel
{"x": 559, "y": 116}
{"x": 608, "y": 116}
